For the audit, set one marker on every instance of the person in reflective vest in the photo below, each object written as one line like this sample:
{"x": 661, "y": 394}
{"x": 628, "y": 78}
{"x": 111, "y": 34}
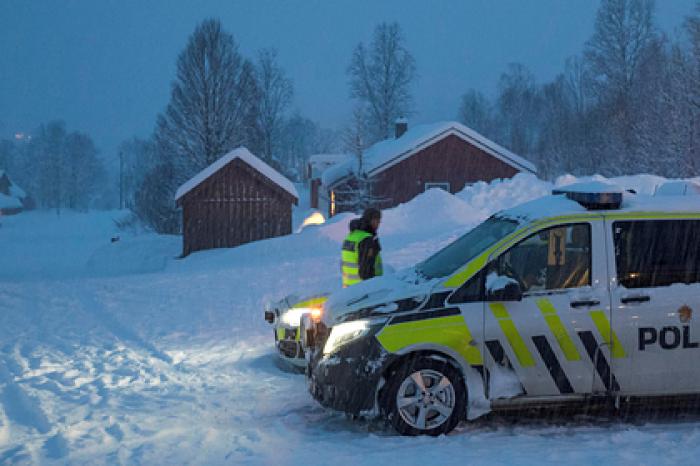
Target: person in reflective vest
{"x": 361, "y": 252}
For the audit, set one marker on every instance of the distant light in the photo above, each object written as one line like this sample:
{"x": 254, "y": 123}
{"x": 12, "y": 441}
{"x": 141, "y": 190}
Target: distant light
{"x": 314, "y": 219}
{"x": 23, "y": 137}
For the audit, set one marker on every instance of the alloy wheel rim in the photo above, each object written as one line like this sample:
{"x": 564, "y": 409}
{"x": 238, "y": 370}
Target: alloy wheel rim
{"x": 425, "y": 399}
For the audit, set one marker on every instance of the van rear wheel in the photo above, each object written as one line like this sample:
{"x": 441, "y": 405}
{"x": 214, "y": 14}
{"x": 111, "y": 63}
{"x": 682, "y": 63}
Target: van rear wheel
{"x": 424, "y": 396}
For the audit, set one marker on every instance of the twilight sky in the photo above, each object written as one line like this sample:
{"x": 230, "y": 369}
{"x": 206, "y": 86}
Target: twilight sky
{"x": 105, "y": 66}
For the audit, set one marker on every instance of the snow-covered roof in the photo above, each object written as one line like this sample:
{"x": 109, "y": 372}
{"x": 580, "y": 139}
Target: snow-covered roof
{"x": 389, "y": 152}
{"x": 327, "y": 158}
{"x": 321, "y": 162}
{"x": 678, "y": 188}
{"x": 559, "y": 205}
{"x": 8, "y": 202}
{"x": 15, "y": 191}
{"x": 243, "y": 154}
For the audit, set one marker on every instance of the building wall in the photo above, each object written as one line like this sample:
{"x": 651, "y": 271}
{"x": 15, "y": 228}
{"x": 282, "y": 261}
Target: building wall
{"x": 234, "y": 206}
{"x": 450, "y": 160}
{"x": 314, "y": 186}
{"x": 5, "y": 185}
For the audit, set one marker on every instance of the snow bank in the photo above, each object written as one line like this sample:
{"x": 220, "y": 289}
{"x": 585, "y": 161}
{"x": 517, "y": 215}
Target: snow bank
{"x": 504, "y": 193}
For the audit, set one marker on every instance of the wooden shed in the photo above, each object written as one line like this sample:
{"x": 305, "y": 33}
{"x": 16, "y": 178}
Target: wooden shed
{"x": 445, "y": 155}
{"x": 235, "y": 200}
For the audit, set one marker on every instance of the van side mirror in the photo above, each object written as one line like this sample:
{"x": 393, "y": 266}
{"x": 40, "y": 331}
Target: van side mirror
{"x": 510, "y": 291}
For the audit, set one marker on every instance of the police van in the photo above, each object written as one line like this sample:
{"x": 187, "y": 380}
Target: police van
{"x": 589, "y": 292}
{"x": 285, "y": 316}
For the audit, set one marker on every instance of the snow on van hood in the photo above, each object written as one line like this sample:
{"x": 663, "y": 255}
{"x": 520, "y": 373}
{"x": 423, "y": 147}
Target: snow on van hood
{"x": 380, "y": 292}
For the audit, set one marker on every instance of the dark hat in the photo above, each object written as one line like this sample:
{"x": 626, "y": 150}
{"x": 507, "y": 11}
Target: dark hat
{"x": 371, "y": 213}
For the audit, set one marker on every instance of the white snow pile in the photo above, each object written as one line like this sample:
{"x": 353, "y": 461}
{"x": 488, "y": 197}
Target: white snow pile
{"x": 114, "y": 351}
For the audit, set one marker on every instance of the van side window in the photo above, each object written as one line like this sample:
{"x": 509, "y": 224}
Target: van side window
{"x": 470, "y": 292}
{"x": 552, "y": 259}
{"x": 650, "y": 253}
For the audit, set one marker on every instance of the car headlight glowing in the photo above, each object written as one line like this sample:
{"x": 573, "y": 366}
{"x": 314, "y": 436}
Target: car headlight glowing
{"x": 344, "y": 333}
{"x": 292, "y": 317}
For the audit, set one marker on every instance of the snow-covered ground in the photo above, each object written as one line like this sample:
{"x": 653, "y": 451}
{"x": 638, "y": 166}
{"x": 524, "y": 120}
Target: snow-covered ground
{"x": 118, "y": 352}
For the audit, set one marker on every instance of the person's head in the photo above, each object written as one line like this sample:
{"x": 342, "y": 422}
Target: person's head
{"x": 372, "y": 217}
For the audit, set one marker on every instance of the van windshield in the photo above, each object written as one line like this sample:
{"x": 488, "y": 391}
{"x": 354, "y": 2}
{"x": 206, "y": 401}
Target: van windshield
{"x": 456, "y": 254}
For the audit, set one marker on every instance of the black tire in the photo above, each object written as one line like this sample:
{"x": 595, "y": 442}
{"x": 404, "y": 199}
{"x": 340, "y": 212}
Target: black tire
{"x": 403, "y": 379}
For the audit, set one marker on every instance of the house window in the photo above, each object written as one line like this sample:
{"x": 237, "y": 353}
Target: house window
{"x": 445, "y": 186}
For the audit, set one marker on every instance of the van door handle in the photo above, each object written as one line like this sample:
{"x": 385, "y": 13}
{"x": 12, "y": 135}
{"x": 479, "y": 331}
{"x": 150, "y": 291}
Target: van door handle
{"x": 585, "y": 303}
{"x": 635, "y": 299}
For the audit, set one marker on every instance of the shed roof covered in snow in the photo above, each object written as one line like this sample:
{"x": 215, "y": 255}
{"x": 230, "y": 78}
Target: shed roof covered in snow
{"x": 9, "y": 188}
{"x": 244, "y": 155}
{"x": 8, "y": 202}
{"x": 389, "y": 152}
{"x": 318, "y": 163}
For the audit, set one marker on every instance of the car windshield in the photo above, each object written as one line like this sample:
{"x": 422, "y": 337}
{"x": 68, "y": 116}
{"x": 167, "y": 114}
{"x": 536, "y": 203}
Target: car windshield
{"x": 464, "y": 249}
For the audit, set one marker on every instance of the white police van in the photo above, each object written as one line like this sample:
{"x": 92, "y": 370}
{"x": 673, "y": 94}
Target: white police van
{"x": 589, "y": 292}
{"x": 285, "y": 316}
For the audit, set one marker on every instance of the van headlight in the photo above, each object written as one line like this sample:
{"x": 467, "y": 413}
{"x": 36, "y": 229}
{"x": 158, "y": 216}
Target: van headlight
{"x": 344, "y": 333}
{"x": 292, "y": 318}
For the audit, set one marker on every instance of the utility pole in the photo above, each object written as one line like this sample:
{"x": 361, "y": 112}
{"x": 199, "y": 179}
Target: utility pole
{"x": 121, "y": 180}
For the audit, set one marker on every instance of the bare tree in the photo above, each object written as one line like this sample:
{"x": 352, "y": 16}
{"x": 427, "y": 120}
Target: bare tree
{"x": 49, "y": 153}
{"x": 209, "y": 101}
{"x": 212, "y": 109}
{"x": 83, "y": 171}
{"x": 359, "y": 192}
{"x": 623, "y": 29}
{"x": 518, "y": 109}
{"x": 136, "y": 158}
{"x": 577, "y": 82}
{"x": 300, "y": 138}
{"x": 380, "y": 79}
{"x": 475, "y": 112}
{"x": 275, "y": 94}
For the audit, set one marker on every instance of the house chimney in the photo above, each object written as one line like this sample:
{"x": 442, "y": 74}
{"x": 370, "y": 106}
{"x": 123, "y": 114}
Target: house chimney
{"x": 401, "y": 126}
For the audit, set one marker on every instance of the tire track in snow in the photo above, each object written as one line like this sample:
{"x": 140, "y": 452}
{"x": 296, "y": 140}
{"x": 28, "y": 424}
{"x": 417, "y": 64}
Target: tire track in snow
{"x": 20, "y": 407}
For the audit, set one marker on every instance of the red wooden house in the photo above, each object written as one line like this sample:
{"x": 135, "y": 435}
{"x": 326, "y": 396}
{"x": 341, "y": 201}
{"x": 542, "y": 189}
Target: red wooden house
{"x": 445, "y": 155}
{"x": 235, "y": 200}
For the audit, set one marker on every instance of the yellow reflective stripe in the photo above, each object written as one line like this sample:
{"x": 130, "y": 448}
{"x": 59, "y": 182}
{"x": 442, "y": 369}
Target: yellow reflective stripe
{"x": 516, "y": 341}
{"x": 468, "y": 272}
{"x": 280, "y": 333}
{"x": 311, "y": 302}
{"x": 451, "y": 332}
{"x": 651, "y": 215}
{"x": 558, "y": 330}
{"x": 609, "y": 336}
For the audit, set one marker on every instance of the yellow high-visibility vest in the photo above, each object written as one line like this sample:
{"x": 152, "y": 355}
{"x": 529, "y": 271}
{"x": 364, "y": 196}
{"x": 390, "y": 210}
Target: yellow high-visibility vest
{"x": 350, "y": 256}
